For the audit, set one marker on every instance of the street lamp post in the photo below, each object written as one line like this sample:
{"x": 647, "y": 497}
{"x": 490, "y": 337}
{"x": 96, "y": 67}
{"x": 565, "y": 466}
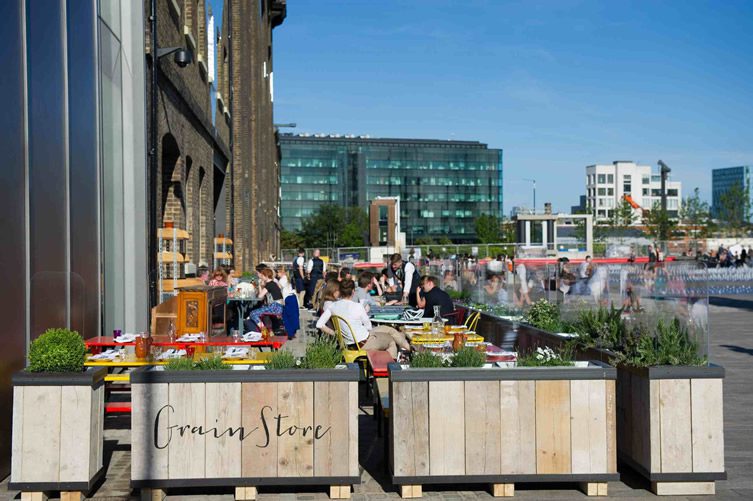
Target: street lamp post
{"x": 534, "y": 192}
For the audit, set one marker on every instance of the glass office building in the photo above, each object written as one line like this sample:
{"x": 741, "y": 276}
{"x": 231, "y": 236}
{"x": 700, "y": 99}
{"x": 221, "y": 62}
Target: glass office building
{"x": 723, "y": 179}
{"x": 443, "y": 185}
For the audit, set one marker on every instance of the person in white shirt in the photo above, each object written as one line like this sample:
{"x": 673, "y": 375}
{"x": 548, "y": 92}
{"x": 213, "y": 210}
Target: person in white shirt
{"x": 364, "y": 335}
{"x": 405, "y": 277}
{"x": 299, "y": 276}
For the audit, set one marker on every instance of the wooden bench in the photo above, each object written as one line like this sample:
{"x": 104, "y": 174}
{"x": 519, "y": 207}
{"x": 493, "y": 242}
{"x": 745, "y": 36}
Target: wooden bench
{"x": 378, "y": 361}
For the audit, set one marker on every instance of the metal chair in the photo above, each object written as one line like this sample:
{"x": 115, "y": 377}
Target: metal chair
{"x": 472, "y": 320}
{"x": 456, "y": 317}
{"x": 350, "y": 355}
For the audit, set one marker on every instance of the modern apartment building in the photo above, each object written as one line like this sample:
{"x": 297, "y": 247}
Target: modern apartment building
{"x": 443, "y": 185}
{"x": 608, "y": 184}
{"x": 723, "y": 179}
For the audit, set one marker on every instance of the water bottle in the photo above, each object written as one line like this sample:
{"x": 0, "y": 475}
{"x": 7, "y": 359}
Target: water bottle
{"x": 437, "y": 325}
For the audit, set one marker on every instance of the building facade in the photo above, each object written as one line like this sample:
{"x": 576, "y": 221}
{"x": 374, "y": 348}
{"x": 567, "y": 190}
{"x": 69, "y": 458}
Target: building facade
{"x": 724, "y": 179}
{"x": 74, "y": 176}
{"x": 608, "y": 184}
{"x": 443, "y": 185}
{"x": 212, "y": 159}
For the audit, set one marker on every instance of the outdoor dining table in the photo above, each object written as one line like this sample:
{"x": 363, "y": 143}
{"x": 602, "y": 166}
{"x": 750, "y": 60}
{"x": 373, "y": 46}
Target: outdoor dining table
{"x": 243, "y": 304}
{"x": 388, "y": 321}
{"x": 274, "y": 342}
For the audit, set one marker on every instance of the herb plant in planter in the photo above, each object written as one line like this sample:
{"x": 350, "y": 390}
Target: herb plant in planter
{"x": 58, "y": 411}
{"x": 294, "y": 423}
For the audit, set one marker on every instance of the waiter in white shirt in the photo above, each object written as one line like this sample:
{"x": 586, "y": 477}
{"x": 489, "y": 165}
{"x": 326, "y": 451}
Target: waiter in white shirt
{"x": 406, "y": 277}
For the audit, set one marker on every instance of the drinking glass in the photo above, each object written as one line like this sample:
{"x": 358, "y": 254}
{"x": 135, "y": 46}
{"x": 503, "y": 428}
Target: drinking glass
{"x": 116, "y": 333}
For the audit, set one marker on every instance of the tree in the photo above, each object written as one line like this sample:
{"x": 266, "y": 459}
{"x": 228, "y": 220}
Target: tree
{"x": 734, "y": 208}
{"x": 658, "y": 223}
{"x": 487, "y": 228}
{"x": 622, "y": 215}
{"x": 335, "y": 226}
{"x": 695, "y": 214}
{"x": 290, "y": 240}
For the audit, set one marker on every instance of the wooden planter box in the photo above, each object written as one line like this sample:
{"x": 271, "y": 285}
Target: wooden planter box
{"x": 57, "y": 431}
{"x": 244, "y": 428}
{"x": 670, "y": 426}
{"x": 502, "y": 426}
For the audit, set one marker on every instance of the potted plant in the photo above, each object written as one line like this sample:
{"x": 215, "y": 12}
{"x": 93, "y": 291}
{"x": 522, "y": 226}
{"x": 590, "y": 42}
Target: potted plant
{"x": 58, "y": 412}
{"x": 546, "y": 420}
{"x": 670, "y": 410}
{"x": 292, "y": 423}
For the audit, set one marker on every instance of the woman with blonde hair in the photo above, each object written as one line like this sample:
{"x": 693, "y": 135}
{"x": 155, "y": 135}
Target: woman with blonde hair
{"x": 331, "y": 294}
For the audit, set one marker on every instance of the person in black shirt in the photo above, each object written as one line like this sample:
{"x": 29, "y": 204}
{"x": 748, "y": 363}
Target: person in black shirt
{"x": 271, "y": 290}
{"x": 434, "y": 296}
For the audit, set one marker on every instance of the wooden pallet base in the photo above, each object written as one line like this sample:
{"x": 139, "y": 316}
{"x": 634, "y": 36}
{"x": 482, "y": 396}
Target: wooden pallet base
{"x": 339, "y": 492}
{"x": 594, "y": 488}
{"x": 410, "y": 491}
{"x": 152, "y": 494}
{"x": 683, "y": 488}
{"x": 503, "y": 490}
{"x": 245, "y": 493}
{"x": 72, "y": 496}
{"x": 33, "y": 496}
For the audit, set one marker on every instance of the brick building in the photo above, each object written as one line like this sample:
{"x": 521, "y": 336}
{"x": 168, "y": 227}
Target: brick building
{"x": 217, "y": 174}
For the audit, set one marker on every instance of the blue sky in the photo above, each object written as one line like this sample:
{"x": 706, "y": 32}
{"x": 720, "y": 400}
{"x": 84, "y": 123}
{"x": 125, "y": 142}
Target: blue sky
{"x": 557, "y": 84}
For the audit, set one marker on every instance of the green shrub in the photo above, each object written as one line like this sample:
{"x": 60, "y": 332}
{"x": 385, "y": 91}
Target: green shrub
{"x": 281, "y": 360}
{"x": 426, "y": 360}
{"x": 544, "y": 315}
{"x": 322, "y": 354}
{"x": 603, "y": 328}
{"x": 458, "y": 295}
{"x": 213, "y": 363}
{"x": 468, "y": 357}
{"x": 671, "y": 344}
{"x": 546, "y": 357}
{"x": 180, "y": 364}
{"x": 57, "y": 350}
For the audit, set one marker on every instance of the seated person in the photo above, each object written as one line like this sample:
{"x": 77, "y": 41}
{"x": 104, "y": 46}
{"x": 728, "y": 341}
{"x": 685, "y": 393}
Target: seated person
{"x": 364, "y": 335}
{"x": 366, "y": 283}
{"x": 434, "y": 296}
{"x": 491, "y": 289}
{"x": 344, "y": 274}
{"x": 269, "y": 289}
{"x": 219, "y": 278}
{"x": 330, "y": 294}
{"x": 449, "y": 281}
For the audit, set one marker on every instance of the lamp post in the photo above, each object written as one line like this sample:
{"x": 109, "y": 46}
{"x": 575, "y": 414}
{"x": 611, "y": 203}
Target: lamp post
{"x": 182, "y": 58}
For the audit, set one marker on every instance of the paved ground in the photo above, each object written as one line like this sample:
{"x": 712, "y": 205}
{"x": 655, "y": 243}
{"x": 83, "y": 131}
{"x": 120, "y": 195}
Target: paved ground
{"x": 732, "y": 346}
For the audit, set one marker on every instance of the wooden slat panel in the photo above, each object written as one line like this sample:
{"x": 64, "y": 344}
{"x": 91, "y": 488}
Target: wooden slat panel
{"x": 446, "y": 428}
{"x": 99, "y": 399}
{"x": 223, "y": 412}
{"x": 654, "y": 426}
{"x": 518, "y": 430}
{"x": 410, "y": 425}
{"x": 552, "y": 427}
{"x": 482, "y": 428}
{"x": 611, "y": 427}
{"x": 188, "y": 400}
{"x": 707, "y": 408}
{"x": 588, "y": 409}
{"x": 676, "y": 447}
{"x": 331, "y": 405}
{"x": 148, "y": 462}
{"x": 41, "y": 448}
{"x": 352, "y": 411}
{"x": 75, "y": 433}
{"x": 258, "y": 458}
{"x": 295, "y": 455}
{"x": 17, "y": 457}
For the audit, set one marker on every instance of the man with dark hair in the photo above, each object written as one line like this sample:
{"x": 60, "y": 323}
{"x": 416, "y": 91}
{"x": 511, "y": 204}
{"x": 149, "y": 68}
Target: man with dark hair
{"x": 434, "y": 296}
{"x": 363, "y": 295}
{"x": 344, "y": 274}
{"x": 364, "y": 335}
{"x": 405, "y": 276}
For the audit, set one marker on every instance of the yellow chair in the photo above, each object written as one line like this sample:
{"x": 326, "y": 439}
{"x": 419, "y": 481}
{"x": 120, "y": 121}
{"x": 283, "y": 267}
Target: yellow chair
{"x": 350, "y": 355}
{"x": 472, "y": 320}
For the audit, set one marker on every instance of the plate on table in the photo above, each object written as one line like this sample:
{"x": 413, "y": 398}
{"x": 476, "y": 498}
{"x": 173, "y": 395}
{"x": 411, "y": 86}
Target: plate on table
{"x": 235, "y": 352}
{"x": 189, "y": 338}
{"x": 171, "y": 353}
{"x": 108, "y": 355}
{"x": 126, "y": 338}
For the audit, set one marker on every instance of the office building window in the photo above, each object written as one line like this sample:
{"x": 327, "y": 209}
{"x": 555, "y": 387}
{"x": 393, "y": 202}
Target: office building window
{"x": 610, "y": 178}
{"x": 602, "y": 179}
{"x": 627, "y": 184}
{"x": 610, "y": 192}
{"x": 646, "y": 179}
{"x": 602, "y": 191}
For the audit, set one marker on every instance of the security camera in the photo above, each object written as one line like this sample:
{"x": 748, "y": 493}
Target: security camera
{"x": 182, "y": 58}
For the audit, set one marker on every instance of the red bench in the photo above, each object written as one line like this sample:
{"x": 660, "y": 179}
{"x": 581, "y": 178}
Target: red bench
{"x": 378, "y": 361}
{"x": 118, "y": 408}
